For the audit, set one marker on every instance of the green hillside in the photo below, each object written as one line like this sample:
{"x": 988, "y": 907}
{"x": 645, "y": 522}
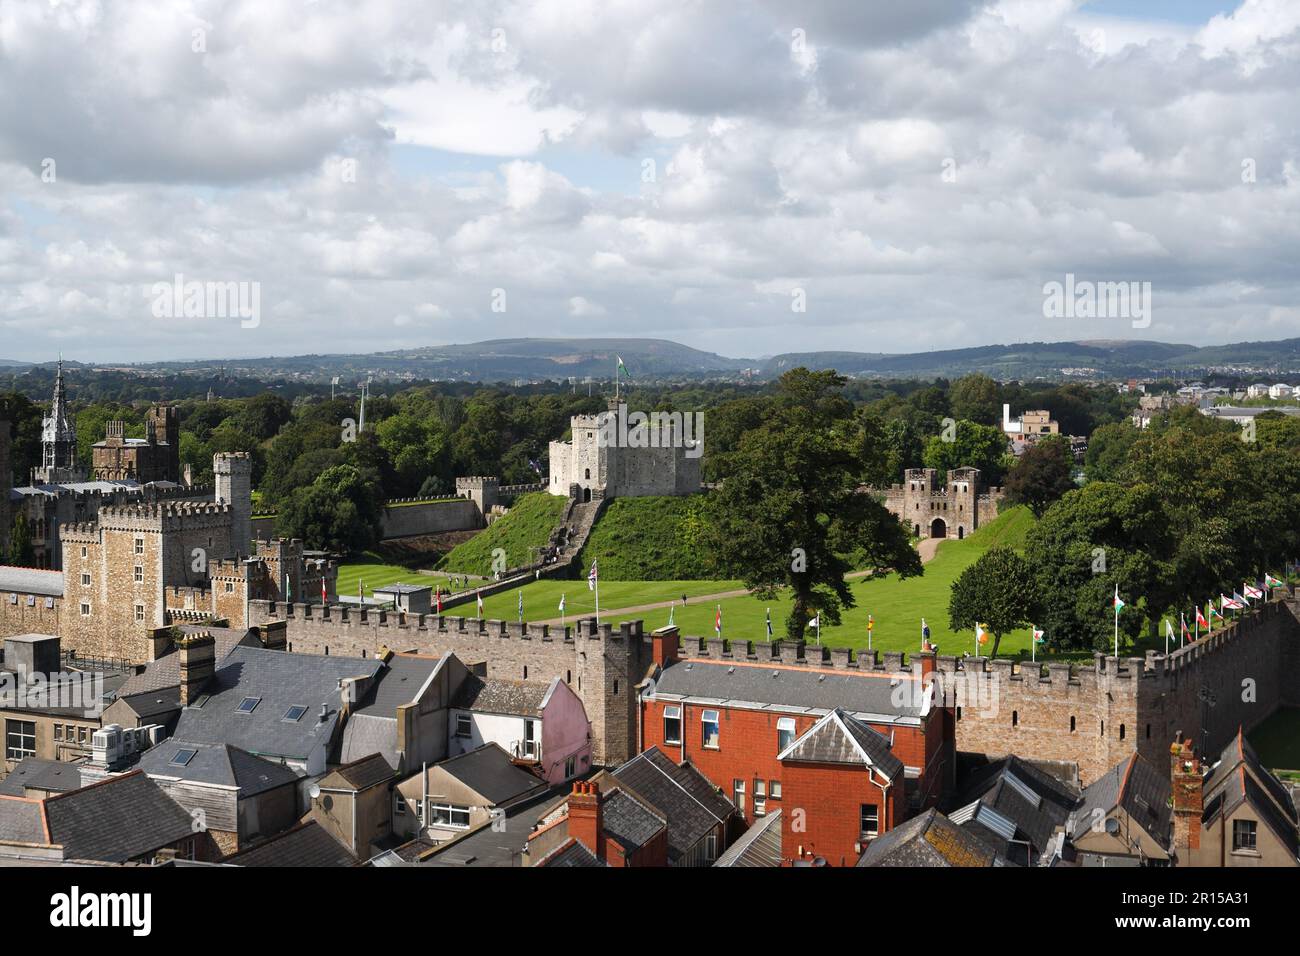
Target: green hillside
{"x": 648, "y": 539}
{"x": 526, "y": 527}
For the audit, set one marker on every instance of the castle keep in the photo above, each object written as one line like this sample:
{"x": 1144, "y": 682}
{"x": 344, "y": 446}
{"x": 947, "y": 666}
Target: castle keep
{"x": 617, "y": 454}
{"x": 934, "y": 509}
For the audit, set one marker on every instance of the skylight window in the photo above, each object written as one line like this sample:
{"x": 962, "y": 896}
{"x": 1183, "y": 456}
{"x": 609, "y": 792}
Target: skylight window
{"x": 294, "y": 713}
{"x": 248, "y": 705}
{"x": 183, "y": 757}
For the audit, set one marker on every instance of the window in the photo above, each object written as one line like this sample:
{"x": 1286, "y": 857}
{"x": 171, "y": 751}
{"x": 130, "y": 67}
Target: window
{"x": 85, "y": 579}
{"x": 738, "y": 794}
{"x": 774, "y": 789}
{"x": 294, "y": 713}
{"x": 870, "y": 817}
{"x": 569, "y": 767}
{"x": 1015, "y": 718}
{"x": 760, "y": 797}
{"x": 81, "y": 735}
{"x": 711, "y": 847}
{"x": 672, "y": 725}
{"x": 248, "y": 705}
{"x": 85, "y": 609}
{"x": 448, "y": 815}
{"x": 139, "y": 573}
{"x": 230, "y": 587}
{"x": 709, "y": 724}
{"x": 784, "y": 733}
{"x": 464, "y": 725}
{"x": 58, "y": 731}
{"x": 20, "y": 739}
{"x": 1243, "y": 834}
{"x": 84, "y": 551}
{"x": 183, "y": 757}
{"x": 399, "y": 805}
{"x": 139, "y": 612}
{"x": 1071, "y": 725}
{"x": 139, "y": 545}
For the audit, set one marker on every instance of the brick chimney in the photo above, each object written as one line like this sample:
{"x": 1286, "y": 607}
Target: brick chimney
{"x": 198, "y": 660}
{"x": 1188, "y": 785}
{"x": 665, "y": 645}
{"x": 585, "y": 824}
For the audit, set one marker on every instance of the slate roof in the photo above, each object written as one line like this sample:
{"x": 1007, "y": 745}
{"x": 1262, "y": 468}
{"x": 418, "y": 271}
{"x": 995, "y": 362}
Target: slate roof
{"x": 279, "y": 680}
{"x": 928, "y": 840}
{"x": 166, "y": 670}
{"x": 116, "y": 820}
{"x": 570, "y": 853}
{"x": 362, "y": 774}
{"x": 1136, "y": 786}
{"x": 682, "y": 796}
{"x": 792, "y": 689}
{"x": 1239, "y": 752}
{"x": 31, "y": 581}
{"x": 216, "y": 765}
{"x": 398, "y": 683}
{"x": 487, "y": 770}
{"x": 485, "y": 846}
{"x": 842, "y": 738}
{"x": 759, "y": 846}
{"x": 307, "y": 844}
{"x": 157, "y": 703}
{"x": 628, "y": 820}
{"x": 494, "y": 695}
{"x": 368, "y": 734}
{"x": 1011, "y": 799}
{"x": 22, "y": 820}
{"x": 1239, "y": 776}
{"x": 42, "y": 774}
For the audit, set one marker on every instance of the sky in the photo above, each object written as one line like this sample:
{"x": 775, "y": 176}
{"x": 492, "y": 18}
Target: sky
{"x": 747, "y": 179}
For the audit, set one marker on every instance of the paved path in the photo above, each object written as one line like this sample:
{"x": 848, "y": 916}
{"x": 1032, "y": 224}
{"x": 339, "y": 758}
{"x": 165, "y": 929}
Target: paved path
{"x": 926, "y": 548}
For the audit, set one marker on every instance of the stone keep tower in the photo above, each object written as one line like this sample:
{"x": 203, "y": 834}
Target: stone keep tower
{"x": 233, "y": 472}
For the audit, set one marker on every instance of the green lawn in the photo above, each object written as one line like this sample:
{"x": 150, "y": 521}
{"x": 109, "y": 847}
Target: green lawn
{"x": 524, "y": 528}
{"x": 377, "y": 575}
{"x": 542, "y": 598}
{"x": 1277, "y": 740}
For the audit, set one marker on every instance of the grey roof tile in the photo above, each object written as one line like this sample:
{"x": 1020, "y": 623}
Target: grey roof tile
{"x": 488, "y": 770}
{"x": 682, "y": 796}
{"x": 41, "y": 774}
{"x": 215, "y": 764}
{"x": 928, "y": 840}
{"x": 116, "y": 820}
{"x": 496, "y": 695}
{"x": 307, "y": 844}
{"x": 841, "y": 738}
{"x": 759, "y": 846}
{"x": 629, "y": 821}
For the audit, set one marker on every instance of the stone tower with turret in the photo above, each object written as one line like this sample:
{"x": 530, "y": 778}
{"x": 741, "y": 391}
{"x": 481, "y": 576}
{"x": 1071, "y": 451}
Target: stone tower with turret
{"x": 58, "y": 440}
{"x": 233, "y": 474}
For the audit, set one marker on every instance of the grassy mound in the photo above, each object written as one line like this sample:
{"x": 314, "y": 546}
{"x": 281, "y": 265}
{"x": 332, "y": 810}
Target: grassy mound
{"x": 648, "y": 539}
{"x": 526, "y": 527}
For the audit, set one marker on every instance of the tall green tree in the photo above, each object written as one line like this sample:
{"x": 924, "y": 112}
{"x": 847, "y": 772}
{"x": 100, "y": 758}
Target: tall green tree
{"x": 339, "y": 511}
{"x": 998, "y": 591}
{"x": 789, "y": 510}
{"x": 1041, "y": 475}
{"x": 969, "y": 444}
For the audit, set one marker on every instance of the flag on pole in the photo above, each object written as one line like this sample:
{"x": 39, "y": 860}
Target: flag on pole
{"x": 438, "y": 595}
{"x": 769, "y": 623}
{"x": 1271, "y": 582}
{"x": 1169, "y": 633}
{"x": 1240, "y": 600}
{"x": 1182, "y": 623}
{"x": 621, "y": 367}
{"x": 871, "y": 624}
{"x": 592, "y": 577}
{"x": 1251, "y": 591}
{"x": 925, "y": 634}
{"x": 521, "y": 605}
{"x": 480, "y": 605}
{"x": 1200, "y": 618}
{"x": 288, "y": 591}
{"x": 561, "y": 603}
{"x": 1119, "y": 602}
{"x": 671, "y": 608}
{"x": 1231, "y": 603}
{"x": 324, "y": 592}
{"x": 717, "y": 622}
{"x": 817, "y": 623}
{"x": 1038, "y": 636}
{"x": 981, "y": 635}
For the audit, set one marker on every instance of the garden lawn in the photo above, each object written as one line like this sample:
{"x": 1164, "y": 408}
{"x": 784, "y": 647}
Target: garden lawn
{"x": 542, "y": 599}
{"x": 377, "y": 575}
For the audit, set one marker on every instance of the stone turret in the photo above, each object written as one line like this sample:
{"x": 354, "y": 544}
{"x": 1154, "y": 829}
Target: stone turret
{"x": 233, "y": 473}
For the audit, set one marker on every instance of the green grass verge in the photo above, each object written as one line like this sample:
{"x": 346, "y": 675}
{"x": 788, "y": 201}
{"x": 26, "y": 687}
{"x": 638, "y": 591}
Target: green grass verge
{"x": 542, "y": 599}
{"x": 526, "y": 526}
{"x": 648, "y": 539}
{"x": 376, "y": 574}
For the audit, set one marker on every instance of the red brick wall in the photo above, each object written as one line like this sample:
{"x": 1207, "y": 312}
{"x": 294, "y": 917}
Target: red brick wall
{"x": 748, "y": 746}
{"x": 823, "y": 811}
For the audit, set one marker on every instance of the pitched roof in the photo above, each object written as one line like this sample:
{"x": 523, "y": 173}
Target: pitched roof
{"x": 682, "y": 795}
{"x": 360, "y": 774}
{"x": 31, "y": 581}
{"x": 1239, "y": 776}
{"x": 495, "y": 695}
{"x": 792, "y": 689}
{"x": 307, "y": 844}
{"x": 628, "y": 820}
{"x": 277, "y": 680}
{"x": 1010, "y": 800}
{"x": 570, "y": 853}
{"x": 759, "y": 846}
{"x": 1239, "y": 752}
{"x": 928, "y": 840}
{"x": 400, "y": 680}
{"x": 842, "y": 738}
{"x": 501, "y": 845}
{"x": 1137, "y": 787}
{"x": 22, "y": 820}
{"x": 116, "y": 820}
{"x": 166, "y": 670}
{"x": 41, "y": 774}
{"x": 488, "y": 771}
{"x": 215, "y": 765}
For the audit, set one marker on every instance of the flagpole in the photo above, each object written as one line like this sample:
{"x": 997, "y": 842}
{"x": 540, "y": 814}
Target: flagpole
{"x": 1033, "y": 644}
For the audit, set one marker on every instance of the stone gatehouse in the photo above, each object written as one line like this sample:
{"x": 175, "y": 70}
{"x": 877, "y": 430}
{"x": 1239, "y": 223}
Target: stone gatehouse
{"x": 942, "y": 509}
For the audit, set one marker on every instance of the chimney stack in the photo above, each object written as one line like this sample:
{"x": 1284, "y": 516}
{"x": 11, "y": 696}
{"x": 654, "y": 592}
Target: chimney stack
{"x": 1188, "y": 786}
{"x": 585, "y": 824}
{"x": 198, "y": 655}
{"x": 665, "y": 644}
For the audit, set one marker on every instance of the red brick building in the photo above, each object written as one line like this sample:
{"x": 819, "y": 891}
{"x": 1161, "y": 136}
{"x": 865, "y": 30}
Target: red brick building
{"x": 733, "y": 718}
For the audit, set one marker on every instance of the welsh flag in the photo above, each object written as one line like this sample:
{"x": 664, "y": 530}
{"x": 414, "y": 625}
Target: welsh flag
{"x": 1119, "y": 603}
{"x": 621, "y": 367}
{"x": 1271, "y": 582}
{"x": 1038, "y": 636}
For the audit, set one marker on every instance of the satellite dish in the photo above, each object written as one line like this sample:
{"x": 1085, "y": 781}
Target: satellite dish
{"x": 1112, "y": 825}
{"x": 314, "y": 792}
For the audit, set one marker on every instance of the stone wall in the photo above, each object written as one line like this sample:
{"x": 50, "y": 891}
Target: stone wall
{"x": 603, "y": 665}
{"x": 432, "y": 517}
